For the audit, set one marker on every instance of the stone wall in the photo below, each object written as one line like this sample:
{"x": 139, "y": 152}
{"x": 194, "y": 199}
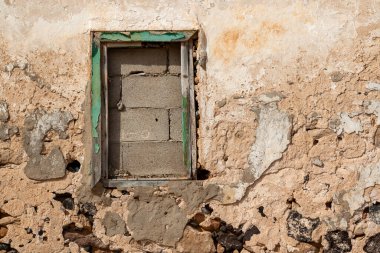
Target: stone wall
{"x": 288, "y": 130}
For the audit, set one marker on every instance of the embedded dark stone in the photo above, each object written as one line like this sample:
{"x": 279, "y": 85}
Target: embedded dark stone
{"x": 373, "y": 244}
{"x": 4, "y": 246}
{"x": 88, "y": 210}
{"x": 193, "y": 224}
{"x": 301, "y": 228}
{"x": 374, "y": 213}
{"x": 83, "y": 237}
{"x": 339, "y": 242}
{"x": 229, "y": 241}
{"x": 250, "y": 232}
{"x": 207, "y": 209}
{"x": 7, "y": 248}
{"x": 232, "y": 238}
{"x": 66, "y": 200}
{"x": 68, "y": 203}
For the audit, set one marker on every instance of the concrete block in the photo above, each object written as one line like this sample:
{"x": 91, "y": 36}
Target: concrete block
{"x": 47, "y": 167}
{"x": 149, "y": 91}
{"x": 139, "y": 124}
{"x": 175, "y": 116}
{"x": 123, "y": 61}
{"x": 114, "y": 224}
{"x": 175, "y": 58}
{"x": 114, "y": 91}
{"x": 153, "y": 159}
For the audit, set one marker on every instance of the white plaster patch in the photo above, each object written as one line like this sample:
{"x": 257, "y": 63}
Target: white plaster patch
{"x": 270, "y": 97}
{"x": 233, "y": 193}
{"x": 373, "y": 107}
{"x": 272, "y": 138}
{"x": 368, "y": 176}
{"x": 349, "y": 125}
{"x": 373, "y": 86}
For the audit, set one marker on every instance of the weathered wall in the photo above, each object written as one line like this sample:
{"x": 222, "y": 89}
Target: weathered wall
{"x": 289, "y": 130}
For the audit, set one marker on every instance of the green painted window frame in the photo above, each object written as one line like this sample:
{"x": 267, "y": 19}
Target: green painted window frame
{"x": 100, "y": 41}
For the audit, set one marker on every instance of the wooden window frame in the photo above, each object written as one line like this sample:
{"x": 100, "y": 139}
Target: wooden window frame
{"x": 99, "y": 101}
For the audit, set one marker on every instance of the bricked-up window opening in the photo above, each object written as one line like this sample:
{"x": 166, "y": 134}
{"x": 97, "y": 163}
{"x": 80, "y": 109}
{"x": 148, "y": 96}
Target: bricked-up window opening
{"x": 146, "y": 128}
{"x": 145, "y": 114}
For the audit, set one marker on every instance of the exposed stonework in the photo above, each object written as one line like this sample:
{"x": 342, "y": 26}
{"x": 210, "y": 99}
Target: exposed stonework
{"x": 159, "y": 209}
{"x": 374, "y": 212}
{"x": 10, "y": 152}
{"x": 4, "y": 113}
{"x": 338, "y": 242}
{"x": 301, "y": 228}
{"x": 37, "y": 126}
{"x": 6, "y": 132}
{"x": 114, "y": 224}
{"x": 373, "y": 244}
{"x": 196, "y": 242}
{"x": 158, "y": 214}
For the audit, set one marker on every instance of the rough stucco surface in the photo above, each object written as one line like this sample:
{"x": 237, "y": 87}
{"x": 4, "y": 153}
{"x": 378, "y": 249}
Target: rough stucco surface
{"x": 289, "y": 107}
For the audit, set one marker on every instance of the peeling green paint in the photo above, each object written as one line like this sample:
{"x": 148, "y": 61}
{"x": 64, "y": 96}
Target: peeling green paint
{"x": 115, "y": 36}
{"x": 185, "y": 131}
{"x": 142, "y": 36}
{"x": 97, "y": 147}
{"x": 95, "y": 94}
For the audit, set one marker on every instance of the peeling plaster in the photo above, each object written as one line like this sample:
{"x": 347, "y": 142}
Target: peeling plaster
{"x": 349, "y": 125}
{"x": 368, "y": 176}
{"x": 38, "y": 124}
{"x": 272, "y": 139}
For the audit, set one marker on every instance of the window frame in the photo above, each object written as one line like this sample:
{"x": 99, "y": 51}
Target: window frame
{"x": 100, "y": 42}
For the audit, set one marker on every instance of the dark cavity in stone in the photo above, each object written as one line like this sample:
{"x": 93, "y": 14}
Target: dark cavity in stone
{"x": 202, "y": 174}
{"x": 261, "y": 211}
{"x": 338, "y": 241}
{"x": 73, "y": 166}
